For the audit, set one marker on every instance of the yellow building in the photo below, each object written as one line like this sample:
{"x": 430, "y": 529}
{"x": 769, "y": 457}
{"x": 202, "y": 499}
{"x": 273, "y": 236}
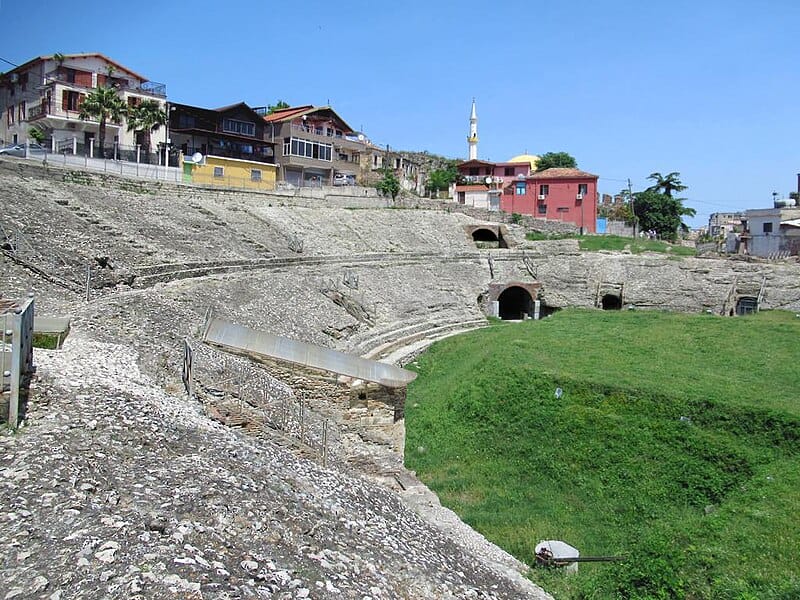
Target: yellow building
{"x": 231, "y": 173}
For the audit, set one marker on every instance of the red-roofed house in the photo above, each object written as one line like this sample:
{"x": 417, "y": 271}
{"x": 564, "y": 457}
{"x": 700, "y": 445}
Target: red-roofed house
{"x": 46, "y": 93}
{"x": 482, "y": 182}
{"x": 562, "y": 194}
{"x": 314, "y": 145}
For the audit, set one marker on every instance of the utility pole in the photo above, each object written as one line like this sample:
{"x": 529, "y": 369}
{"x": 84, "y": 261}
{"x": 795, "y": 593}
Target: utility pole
{"x": 633, "y": 213}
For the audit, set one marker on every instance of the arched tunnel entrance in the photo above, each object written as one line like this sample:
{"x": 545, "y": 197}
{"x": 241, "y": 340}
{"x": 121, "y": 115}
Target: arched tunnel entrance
{"x": 515, "y": 303}
{"x": 484, "y": 235}
{"x": 746, "y": 305}
{"x": 487, "y": 236}
{"x": 611, "y": 302}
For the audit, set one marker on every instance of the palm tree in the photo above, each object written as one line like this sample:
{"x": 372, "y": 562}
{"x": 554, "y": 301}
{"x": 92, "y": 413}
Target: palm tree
{"x": 102, "y": 104}
{"x": 666, "y": 184}
{"x": 147, "y": 117}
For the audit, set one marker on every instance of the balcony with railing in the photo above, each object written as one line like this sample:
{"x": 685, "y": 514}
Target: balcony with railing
{"x": 41, "y": 111}
{"x": 84, "y": 80}
{"x": 232, "y": 153}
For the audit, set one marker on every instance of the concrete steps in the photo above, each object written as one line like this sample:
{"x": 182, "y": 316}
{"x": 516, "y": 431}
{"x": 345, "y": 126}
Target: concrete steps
{"x": 395, "y": 341}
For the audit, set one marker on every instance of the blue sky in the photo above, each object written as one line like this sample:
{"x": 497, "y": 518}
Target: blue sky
{"x": 709, "y": 88}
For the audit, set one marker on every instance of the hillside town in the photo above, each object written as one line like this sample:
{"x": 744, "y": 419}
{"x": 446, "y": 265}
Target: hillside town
{"x": 248, "y": 353}
{"x": 288, "y": 147}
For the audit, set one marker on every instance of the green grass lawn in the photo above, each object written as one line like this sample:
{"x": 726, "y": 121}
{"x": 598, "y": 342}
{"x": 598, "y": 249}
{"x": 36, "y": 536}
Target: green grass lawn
{"x": 635, "y": 246}
{"x": 675, "y": 443}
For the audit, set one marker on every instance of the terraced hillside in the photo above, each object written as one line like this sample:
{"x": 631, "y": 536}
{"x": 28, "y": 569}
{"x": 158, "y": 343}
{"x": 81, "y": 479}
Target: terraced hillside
{"x": 119, "y": 486}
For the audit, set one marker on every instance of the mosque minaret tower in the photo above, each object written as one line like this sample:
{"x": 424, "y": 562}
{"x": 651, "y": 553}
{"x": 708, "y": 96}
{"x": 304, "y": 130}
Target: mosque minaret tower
{"x": 473, "y": 133}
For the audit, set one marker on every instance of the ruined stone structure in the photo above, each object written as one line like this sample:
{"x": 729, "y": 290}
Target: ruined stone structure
{"x": 119, "y": 485}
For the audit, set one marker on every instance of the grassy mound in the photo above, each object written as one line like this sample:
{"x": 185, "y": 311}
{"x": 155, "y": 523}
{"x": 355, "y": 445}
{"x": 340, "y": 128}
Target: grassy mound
{"x": 675, "y": 444}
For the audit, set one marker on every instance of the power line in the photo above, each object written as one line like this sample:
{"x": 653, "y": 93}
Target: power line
{"x": 9, "y": 62}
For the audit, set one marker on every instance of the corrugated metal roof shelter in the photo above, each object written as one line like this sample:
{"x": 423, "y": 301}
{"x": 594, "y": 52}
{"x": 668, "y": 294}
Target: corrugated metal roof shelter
{"x": 260, "y": 343}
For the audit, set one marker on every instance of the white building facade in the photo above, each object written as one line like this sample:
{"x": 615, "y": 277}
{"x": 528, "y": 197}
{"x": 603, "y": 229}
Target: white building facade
{"x": 46, "y": 93}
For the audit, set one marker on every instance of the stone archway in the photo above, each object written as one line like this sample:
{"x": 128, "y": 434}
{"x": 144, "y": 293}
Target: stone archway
{"x": 512, "y": 301}
{"x": 515, "y": 303}
{"x": 484, "y": 235}
{"x": 746, "y": 305}
{"x": 611, "y": 302}
{"x": 488, "y": 236}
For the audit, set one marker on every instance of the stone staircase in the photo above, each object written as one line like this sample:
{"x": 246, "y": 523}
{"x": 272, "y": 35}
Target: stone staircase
{"x": 148, "y": 275}
{"x": 401, "y": 339}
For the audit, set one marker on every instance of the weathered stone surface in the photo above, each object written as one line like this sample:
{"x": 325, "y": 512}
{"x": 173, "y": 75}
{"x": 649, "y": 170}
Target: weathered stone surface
{"x": 118, "y": 486}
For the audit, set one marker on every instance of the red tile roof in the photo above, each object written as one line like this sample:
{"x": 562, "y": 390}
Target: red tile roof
{"x": 561, "y": 173}
{"x": 285, "y": 114}
{"x": 475, "y": 162}
{"x": 472, "y": 188}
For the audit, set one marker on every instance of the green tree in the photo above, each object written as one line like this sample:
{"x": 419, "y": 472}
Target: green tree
{"x": 550, "y": 160}
{"x": 660, "y": 213}
{"x": 271, "y": 108}
{"x": 440, "y": 179}
{"x": 389, "y": 185}
{"x": 36, "y": 134}
{"x": 147, "y": 117}
{"x": 102, "y": 104}
{"x": 666, "y": 184}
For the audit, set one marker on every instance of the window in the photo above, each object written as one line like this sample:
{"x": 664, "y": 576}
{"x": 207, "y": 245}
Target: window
{"x": 255, "y": 175}
{"x": 473, "y": 171}
{"x": 583, "y": 189}
{"x": 71, "y": 100}
{"x": 520, "y": 188}
{"x": 219, "y": 171}
{"x": 544, "y": 190}
{"x": 10, "y": 115}
{"x": 21, "y": 112}
{"x": 307, "y": 149}
{"x": 767, "y": 227}
{"x": 508, "y": 171}
{"x": 542, "y": 209}
{"x": 240, "y": 127}
{"x": 186, "y": 121}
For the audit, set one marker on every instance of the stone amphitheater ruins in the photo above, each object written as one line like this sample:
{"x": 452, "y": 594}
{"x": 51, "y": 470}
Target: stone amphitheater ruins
{"x": 269, "y": 482}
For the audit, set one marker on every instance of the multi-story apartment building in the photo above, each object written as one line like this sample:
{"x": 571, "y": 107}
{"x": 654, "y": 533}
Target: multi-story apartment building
{"x": 314, "y": 145}
{"x": 562, "y": 194}
{"x": 235, "y": 131}
{"x": 46, "y": 93}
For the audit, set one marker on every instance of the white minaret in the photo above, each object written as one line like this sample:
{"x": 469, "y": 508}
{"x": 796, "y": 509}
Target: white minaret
{"x": 473, "y": 133}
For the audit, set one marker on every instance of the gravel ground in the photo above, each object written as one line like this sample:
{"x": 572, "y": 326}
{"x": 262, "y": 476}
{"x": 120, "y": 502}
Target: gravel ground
{"x": 118, "y": 486}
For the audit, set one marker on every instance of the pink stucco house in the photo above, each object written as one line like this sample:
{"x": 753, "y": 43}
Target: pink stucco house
{"x": 561, "y": 194}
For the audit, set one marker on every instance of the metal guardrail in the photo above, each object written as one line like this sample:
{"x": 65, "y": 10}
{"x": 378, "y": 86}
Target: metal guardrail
{"x": 240, "y": 393}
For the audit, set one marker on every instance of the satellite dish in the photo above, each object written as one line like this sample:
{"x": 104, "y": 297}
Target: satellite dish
{"x": 488, "y": 180}
{"x": 197, "y": 158}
